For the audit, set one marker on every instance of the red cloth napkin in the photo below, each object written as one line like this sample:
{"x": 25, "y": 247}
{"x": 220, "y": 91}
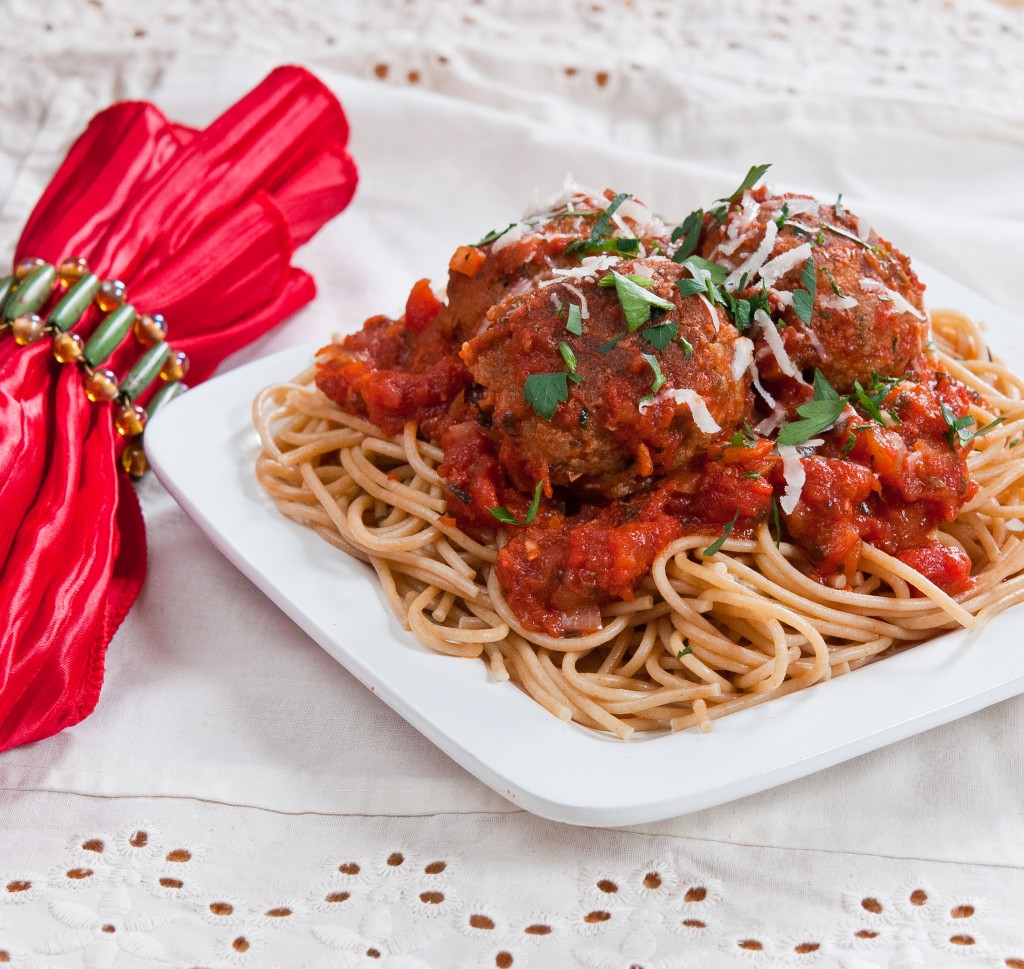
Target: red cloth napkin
{"x": 201, "y": 226}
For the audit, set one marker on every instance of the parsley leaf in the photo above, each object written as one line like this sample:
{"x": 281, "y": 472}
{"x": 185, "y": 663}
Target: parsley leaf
{"x": 958, "y": 427}
{"x": 752, "y": 177}
{"x": 846, "y": 235}
{"x": 776, "y": 523}
{"x": 803, "y": 299}
{"x": 601, "y": 230}
{"x": 574, "y": 324}
{"x": 783, "y": 215}
{"x": 818, "y": 414}
{"x": 690, "y": 232}
{"x": 659, "y": 377}
{"x": 832, "y": 282}
{"x": 611, "y": 344}
{"x": 506, "y": 517}
{"x": 568, "y": 356}
{"x": 635, "y": 300}
{"x": 606, "y": 282}
{"x": 720, "y": 541}
{"x": 661, "y": 335}
{"x": 838, "y": 207}
{"x": 494, "y": 234}
{"x": 687, "y": 347}
{"x": 545, "y": 391}
{"x": 685, "y": 651}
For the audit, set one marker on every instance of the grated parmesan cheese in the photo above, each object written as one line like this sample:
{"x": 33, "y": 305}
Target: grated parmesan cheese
{"x": 698, "y": 407}
{"x": 584, "y": 311}
{"x": 513, "y": 235}
{"x": 753, "y": 264}
{"x": 774, "y": 341}
{"x": 783, "y": 263}
{"x": 899, "y": 302}
{"x": 793, "y": 472}
{"x": 838, "y": 302}
{"x": 743, "y": 356}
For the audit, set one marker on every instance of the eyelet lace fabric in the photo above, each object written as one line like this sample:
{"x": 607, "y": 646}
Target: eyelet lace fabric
{"x": 238, "y": 799}
{"x": 208, "y": 885}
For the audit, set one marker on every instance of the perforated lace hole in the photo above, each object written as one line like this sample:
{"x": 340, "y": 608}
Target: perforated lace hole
{"x": 872, "y": 905}
{"x": 282, "y": 912}
{"x": 172, "y": 883}
{"x": 962, "y": 912}
{"x": 962, "y": 939}
{"x": 805, "y": 948}
{"x": 78, "y": 874}
{"x": 221, "y": 908}
{"x": 1014, "y": 963}
{"x": 596, "y": 917}
{"x": 696, "y": 894}
{"x": 349, "y": 868}
{"x": 431, "y": 898}
{"x": 13, "y": 888}
{"x": 694, "y": 924}
{"x": 381, "y": 70}
{"x": 240, "y": 944}
{"x": 336, "y": 897}
{"x": 139, "y": 839}
{"x": 179, "y": 855}
{"x": 652, "y": 880}
{"x": 93, "y": 844}
{"x": 866, "y": 934}
{"x": 395, "y": 859}
{"x": 751, "y": 945}
{"x": 538, "y": 929}
{"x": 918, "y": 897}
{"x": 503, "y": 960}
{"x": 435, "y": 868}
{"x": 607, "y": 886}
{"x": 481, "y": 922}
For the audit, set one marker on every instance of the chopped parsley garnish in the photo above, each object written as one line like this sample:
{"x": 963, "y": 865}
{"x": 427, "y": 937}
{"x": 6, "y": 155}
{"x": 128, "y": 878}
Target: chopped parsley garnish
{"x": 832, "y": 282}
{"x": 685, "y": 651}
{"x": 776, "y": 523}
{"x": 687, "y": 347}
{"x": 611, "y": 344}
{"x": 870, "y": 400}
{"x": 634, "y": 298}
{"x": 958, "y": 427}
{"x": 803, "y": 299}
{"x": 584, "y": 417}
{"x": 846, "y": 235}
{"x": 850, "y": 442}
{"x": 574, "y": 323}
{"x": 869, "y": 404}
{"x": 742, "y": 310}
{"x": 818, "y": 414}
{"x": 545, "y": 391}
{"x": 568, "y": 356}
{"x": 717, "y": 544}
{"x": 662, "y": 335}
{"x": 507, "y": 518}
{"x": 838, "y": 206}
{"x": 494, "y": 234}
{"x": 752, "y": 177}
{"x": 659, "y": 377}
{"x": 783, "y": 215}
{"x": 1014, "y": 442}
{"x": 752, "y": 474}
{"x": 689, "y": 231}
{"x": 601, "y": 231}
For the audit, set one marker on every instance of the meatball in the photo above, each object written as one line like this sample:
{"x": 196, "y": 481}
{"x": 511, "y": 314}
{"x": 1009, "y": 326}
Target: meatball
{"x": 509, "y": 265}
{"x": 867, "y": 315}
{"x": 646, "y": 403}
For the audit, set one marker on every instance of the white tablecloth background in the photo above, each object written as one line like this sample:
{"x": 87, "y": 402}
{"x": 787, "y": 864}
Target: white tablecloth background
{"x": 264, "y": 775}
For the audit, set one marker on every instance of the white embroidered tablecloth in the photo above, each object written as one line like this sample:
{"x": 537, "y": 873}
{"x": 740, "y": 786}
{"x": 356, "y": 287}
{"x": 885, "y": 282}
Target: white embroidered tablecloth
{"x": 238, "y": 798}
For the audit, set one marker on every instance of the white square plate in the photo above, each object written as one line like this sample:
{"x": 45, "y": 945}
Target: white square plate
{"x": 203, "y": 448}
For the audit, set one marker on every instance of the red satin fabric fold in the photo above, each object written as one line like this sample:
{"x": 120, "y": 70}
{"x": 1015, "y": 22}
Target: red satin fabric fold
{"x": 201, "y": 226}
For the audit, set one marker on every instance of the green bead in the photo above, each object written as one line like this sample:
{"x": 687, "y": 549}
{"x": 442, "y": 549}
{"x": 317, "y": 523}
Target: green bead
{"x": 164, "y": 396}
{"x": 74, "y": 303}
{"x": 32, "y": 293}
{"x": 145, "y": 370}
{"x": 6, "y": 285}
{"x": 109, "y": 334}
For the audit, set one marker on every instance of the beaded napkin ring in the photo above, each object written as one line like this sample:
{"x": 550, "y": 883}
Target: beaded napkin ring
{"x": 30, "y": 287}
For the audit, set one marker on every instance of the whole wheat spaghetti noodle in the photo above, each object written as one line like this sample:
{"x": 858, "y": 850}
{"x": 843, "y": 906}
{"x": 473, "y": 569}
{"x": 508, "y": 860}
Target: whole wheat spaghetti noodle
{"x": 704, "y": 635}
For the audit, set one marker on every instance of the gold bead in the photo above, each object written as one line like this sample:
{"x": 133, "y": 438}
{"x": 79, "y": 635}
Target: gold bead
{"x": 130, "y": 420}
{"x": 23, "y": 268}
{"x": 175, "y": 366}
{"x": 150, "y": 329}
{"x": 68, "y": 347}
{"x": 101, "y": 385}
{"x": 112, "y": 294}
{"x": 133, "y": 459}
{"x": 72, "y": 270}
{"x": 27, "y": 329}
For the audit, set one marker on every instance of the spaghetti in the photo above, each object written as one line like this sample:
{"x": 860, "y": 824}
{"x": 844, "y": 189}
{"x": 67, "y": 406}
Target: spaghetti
{"x": 704, "y": 636}
{"x": 654, "y": 476}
